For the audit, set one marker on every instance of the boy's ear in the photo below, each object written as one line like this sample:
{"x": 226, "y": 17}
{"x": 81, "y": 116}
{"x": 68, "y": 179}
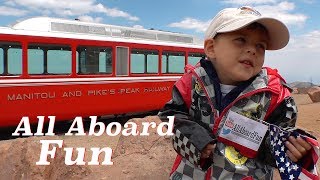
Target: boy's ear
{"x": 209, "y": 47}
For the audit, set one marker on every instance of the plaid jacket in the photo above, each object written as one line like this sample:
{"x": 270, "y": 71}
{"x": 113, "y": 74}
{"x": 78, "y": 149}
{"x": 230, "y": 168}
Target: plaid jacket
{"x": 197, "y": 123}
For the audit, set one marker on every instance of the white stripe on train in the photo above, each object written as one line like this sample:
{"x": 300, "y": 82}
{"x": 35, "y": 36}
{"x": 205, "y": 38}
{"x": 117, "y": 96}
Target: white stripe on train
{"x": 71, "y": 81}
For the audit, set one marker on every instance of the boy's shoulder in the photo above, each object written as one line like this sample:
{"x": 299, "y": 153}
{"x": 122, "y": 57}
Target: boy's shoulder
{"x": 275, "y": 79}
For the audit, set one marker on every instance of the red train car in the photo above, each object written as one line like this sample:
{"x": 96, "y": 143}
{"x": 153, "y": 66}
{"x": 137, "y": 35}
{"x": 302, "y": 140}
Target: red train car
{"x": 69, "y": 68}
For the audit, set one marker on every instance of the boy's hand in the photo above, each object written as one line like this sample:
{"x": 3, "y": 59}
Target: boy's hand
{"x": 207, "y": 151}
{"x": 297, "y": 148}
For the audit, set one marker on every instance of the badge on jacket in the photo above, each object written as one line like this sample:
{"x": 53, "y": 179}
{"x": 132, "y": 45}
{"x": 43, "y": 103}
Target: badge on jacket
{"x": 245, "y": 134}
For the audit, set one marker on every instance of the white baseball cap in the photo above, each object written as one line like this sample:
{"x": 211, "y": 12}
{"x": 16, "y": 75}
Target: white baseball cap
{"x": 232, "y": 19}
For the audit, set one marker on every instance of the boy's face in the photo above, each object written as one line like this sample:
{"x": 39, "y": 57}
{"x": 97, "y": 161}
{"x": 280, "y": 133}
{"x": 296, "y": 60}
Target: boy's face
{"x": 238, "y": 55}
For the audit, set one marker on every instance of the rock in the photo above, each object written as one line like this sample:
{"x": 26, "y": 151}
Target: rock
{"x": 303, "y": 90}
{"x": 134, "y": 157}
{"x": 140, "y": 144}
{"x": 314, "y": 93}
{"x": 295, "y": 91}
{"x": 125, "y": 171}
{"x": 18, "y": 159}
{"x": 146, "y": 156}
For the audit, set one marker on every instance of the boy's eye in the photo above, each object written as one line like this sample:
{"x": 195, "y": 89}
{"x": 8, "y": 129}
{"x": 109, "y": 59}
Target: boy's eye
{"x": 262, "y": 46}
{"x": 240, "y": 39}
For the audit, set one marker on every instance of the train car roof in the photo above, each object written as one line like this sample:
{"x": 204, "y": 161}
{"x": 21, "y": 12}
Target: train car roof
{"x": 54, "y": 27}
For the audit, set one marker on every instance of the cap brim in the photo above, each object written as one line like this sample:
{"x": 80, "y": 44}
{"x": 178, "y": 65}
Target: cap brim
{"x": 278, "y": 32}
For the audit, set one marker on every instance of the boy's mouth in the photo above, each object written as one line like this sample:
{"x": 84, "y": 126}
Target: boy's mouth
{"x": 247, "y": 63}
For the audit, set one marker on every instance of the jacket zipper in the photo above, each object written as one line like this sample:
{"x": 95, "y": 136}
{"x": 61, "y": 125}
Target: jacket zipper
{"x": 217, "y": 121}
{"x": 219, "y": 116}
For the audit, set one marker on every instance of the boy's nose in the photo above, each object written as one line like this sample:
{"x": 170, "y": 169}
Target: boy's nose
{"x": 253, "y": 53}
{"x": 251, "y": 50}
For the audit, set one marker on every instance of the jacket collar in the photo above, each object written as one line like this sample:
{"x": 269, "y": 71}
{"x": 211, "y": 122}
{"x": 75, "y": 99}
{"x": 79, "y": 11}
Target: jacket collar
{"x": 257, "y": 82}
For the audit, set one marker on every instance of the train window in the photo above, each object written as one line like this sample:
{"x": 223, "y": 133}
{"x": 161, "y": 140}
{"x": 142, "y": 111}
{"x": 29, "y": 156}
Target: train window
{"x": 15, "y": 60}
{"x": 59, "y": 61}
{"x": 194, "y": 58}
{"x": 49, "y": 59}
{"x": 173, "y": 62}
{"x": 35, "y": 61}
{"x": 144, "y": 61}
{"x": 1, "y": 61}
{"x": 10, "y": 58}
{"x": 94, "y": 60}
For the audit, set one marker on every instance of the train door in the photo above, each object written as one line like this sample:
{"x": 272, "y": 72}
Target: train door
{"x": 122, "y": 61}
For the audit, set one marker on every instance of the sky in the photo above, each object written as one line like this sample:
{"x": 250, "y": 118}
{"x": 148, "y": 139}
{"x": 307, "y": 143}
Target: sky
{"x": 298, "y": 61}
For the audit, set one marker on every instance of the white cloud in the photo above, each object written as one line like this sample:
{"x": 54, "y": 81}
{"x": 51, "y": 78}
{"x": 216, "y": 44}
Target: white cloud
{"x": 8, "y": 11}
{"x": 309, "y": 42}
{"x": 270, "y": 8}
{"x": 282, "y": 9}
{"x": 283, "y": 12}
{"x": 69, "y": 8}
{"x": 90, "y": 19}
{"x": 299, "y": 61}
{"x": 191, "y": 23}
{"x": 247, "y": 2}
{"x": 114, "y": 12}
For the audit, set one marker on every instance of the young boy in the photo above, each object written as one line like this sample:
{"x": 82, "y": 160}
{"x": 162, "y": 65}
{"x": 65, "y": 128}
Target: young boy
{"x": 230, "y": 91}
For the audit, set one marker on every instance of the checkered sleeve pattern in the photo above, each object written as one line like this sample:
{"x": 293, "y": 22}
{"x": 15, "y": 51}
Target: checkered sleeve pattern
{"x": 185, "y": 148}
{"x": 292, "y": 108}
{"x": 291, "y": 114}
